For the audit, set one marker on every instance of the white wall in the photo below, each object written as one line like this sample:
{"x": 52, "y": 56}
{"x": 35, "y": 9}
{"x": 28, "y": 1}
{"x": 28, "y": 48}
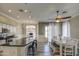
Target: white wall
{"x": 74, "y": 27}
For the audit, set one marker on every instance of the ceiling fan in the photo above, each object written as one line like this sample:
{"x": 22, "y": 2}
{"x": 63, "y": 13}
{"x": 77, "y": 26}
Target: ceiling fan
{"x": 62, "y": 17}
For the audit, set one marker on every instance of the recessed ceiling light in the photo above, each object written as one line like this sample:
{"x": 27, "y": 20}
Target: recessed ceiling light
{"x": 9, "y": 10}
{"x": 18, "y": 16}
{"x": 25, "y": 10}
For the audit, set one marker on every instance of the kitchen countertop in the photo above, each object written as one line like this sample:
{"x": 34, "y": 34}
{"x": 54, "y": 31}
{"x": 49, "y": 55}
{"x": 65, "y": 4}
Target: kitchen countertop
{"x": 22, "y": 45}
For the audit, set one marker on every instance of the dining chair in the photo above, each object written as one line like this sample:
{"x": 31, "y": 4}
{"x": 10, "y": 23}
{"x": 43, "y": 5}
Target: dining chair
{"x": 70, "y": 47}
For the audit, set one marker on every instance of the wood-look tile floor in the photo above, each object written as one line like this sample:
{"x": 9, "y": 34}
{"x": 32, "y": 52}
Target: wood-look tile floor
{"x": 43, "y": 49}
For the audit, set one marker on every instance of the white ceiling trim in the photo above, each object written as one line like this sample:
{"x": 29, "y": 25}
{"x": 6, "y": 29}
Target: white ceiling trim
{"x": 5, "y": 15}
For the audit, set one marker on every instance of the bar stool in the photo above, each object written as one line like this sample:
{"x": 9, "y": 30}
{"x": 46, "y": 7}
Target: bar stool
{"x": 56, "y": 49}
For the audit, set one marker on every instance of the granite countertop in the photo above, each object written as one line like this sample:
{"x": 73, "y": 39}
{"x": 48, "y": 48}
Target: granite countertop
{"x": 14, "y": 45}
{"x": 21, "y": 45}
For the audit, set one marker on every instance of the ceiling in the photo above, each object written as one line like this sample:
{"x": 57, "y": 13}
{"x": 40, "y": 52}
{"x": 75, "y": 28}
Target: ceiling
{"x": 38, "y": 12}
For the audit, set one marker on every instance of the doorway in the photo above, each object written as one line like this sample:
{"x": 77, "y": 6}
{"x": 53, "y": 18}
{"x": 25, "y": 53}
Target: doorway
{"x": 30, "y": 33}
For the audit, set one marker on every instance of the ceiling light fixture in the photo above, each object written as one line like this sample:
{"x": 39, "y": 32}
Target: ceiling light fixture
{"x": 59, "y": 18}
{"x": 9, "y": 10}
{"x": 25, "y": 11}
{"x": 21, "y": 10}
{"x": 57, "y": 21}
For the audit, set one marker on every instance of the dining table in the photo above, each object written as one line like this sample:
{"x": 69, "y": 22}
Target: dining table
{"x": 62, "y": 43}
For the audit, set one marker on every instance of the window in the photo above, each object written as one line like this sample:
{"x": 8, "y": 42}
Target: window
{"x": 66, "y": 29}
{"x": 46, "y": 31}
{"x": 8, "y": 28}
